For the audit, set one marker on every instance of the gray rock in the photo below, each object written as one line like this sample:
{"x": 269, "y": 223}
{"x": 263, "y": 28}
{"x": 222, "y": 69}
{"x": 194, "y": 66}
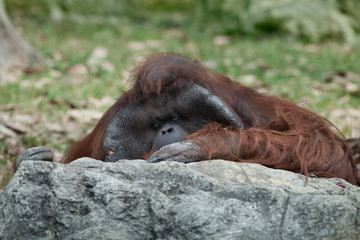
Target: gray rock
{"x": 89, "y": 199}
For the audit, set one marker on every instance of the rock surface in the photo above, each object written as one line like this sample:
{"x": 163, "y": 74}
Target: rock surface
{"x": 132, "y": 199}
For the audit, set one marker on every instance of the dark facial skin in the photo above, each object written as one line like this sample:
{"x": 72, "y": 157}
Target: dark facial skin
{"x": 137, "y": 130}
{"x": 141, "y": 128}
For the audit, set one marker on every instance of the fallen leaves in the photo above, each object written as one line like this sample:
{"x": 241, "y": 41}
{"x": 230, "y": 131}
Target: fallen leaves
{"x": 348, "y": 119}
{"x": 6, "y": 131}
{"x": 20, "y": 123}
{"x": 99, "y": 53}
{"x": 78, "y": 70}
{"x": 96, "y": 62}
{"x": 99, "y": 103}
{"x": 85, "y": 116}
{"x": 20, "y": 130}
{"x": 348, "y": 80}
{"x": 355, "y": 148}
{"x": 251, "y": 81}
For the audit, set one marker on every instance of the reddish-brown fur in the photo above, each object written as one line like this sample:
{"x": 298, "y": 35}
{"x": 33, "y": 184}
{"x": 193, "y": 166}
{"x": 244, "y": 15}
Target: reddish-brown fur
{"x": 277, "y": 133}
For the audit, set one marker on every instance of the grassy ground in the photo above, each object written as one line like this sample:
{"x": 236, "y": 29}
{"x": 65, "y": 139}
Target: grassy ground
{"x": 50, "y": 108}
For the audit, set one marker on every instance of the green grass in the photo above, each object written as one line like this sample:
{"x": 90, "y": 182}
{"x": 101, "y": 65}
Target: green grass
{"x": 286, "y": 68}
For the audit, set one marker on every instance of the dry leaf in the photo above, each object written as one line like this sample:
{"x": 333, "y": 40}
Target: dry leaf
{"x": 99, "y": 52}
{"x": 78, "y": 70}
{"x": 210, "y": 63}
{"x": 348, "y": 80}
{"x": 85, "y": 116}
{"x": 16, "y": 127}
{"x": 108, "y": 66}
{"x": 55, "y": 73}
{"x": 351, "y": 88}
{"x": 4, "y": 130}
{"x": 104, "y": 102}
{"x": 54, "y": 127}
{"x": 57, "y": 56}
{"x": 250, "y": 80}
{"x": 137, "y": 46}
{"x": 42, "y": 82}
{"x": 221, "y": 40}
{"x": 190, "y": 47}
{"x": 350, "y": 117}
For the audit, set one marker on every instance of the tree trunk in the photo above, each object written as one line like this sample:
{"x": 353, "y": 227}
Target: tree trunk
{"x": 15, "y": 52}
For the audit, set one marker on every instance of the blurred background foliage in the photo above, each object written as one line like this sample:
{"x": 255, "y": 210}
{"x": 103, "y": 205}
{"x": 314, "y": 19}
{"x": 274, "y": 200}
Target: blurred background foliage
{"x": 309, "y": 20}
{"x": 312, "y": 20}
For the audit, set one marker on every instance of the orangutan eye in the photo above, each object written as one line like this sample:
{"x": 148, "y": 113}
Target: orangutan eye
{"x": 177, "y": 119}
{"x": 155, "y": 124}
